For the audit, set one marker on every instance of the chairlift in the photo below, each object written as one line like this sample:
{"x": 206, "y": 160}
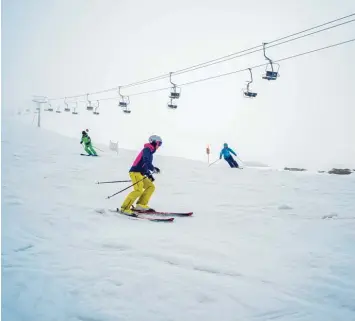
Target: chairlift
{"x": 58, "y": 110}
{"x": 171, "y": 105}
{"x": 74, "y": 112}
{"x": 175, "y": 90}
{"x": 67, "y": 109}
{"x": 89, "y": 106}
{"x": 247, "y": 92}
{"x": 50, "y": 108}
{"x": 126, "y": 110}
{"x": 124, "y": 100}
{"x": 96, "y": 108}
{"x": 272, "y": 69}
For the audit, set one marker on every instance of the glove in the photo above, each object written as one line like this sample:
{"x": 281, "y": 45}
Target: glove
{"x": 150, "y": 176}
{"x": 81, "y": 142}
{"x": 156, "y": 170}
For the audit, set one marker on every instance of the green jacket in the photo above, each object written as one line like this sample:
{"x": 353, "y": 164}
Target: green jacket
{"x": 86, "y": 140}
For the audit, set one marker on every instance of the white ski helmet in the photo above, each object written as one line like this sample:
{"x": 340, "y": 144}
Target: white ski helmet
{"x": 156, "y": 139}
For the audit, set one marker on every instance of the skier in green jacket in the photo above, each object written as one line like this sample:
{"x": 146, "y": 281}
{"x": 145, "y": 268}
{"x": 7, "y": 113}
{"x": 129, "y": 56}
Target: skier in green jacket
{"x": 85, "y": 138}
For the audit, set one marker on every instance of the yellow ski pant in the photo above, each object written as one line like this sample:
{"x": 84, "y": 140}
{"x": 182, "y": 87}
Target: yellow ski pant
{"x": 144, "y": 190}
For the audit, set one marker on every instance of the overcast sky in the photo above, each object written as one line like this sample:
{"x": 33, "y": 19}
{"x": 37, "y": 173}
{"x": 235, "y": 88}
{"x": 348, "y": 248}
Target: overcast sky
{"x": 305, "y": 118}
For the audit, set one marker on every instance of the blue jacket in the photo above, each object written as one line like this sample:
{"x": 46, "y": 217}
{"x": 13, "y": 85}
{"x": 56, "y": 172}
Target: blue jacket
{"x": 226, "y": 152}
{"x": 144, "y": 162}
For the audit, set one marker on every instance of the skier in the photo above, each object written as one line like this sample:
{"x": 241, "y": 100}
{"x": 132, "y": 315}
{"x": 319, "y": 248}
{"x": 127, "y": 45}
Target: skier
{"x": 85, "y": 138}
{"x": 226, "y": 153}
{"x": 141, "y": 175}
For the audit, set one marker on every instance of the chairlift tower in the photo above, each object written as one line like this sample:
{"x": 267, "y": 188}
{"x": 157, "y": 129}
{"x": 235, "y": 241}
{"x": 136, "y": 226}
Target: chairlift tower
{"x": 39, "y": 100}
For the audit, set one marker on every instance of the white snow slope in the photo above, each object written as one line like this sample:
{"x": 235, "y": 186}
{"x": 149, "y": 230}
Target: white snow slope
{"x": 256, "y": 248}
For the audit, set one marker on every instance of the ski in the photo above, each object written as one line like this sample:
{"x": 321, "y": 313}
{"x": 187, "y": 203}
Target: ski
{"x": 153, "y": 212}
{"x": 89, "y": 155}
{"x": 137, "y": 216}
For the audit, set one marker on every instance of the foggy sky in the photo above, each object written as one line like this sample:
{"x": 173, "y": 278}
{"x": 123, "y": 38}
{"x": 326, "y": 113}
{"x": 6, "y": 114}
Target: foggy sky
{"x": 305, "y": 118}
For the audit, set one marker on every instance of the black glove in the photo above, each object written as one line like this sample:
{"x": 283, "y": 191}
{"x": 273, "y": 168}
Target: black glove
{"x": 156, "y": 170}
{"x": 150, "y": 176}
{"x": 81, "y": 142}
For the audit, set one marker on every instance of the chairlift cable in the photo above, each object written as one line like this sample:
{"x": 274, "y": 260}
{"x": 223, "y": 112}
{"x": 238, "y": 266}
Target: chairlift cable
{"x": 235, "y": 55}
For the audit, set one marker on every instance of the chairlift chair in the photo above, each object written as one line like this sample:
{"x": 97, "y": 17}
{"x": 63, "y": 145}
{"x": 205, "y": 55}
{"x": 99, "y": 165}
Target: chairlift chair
{"x": 58, "y": 110}
{"x": 50, "y": 108}
{"x": 171, "y": 105}
{"x": 124, "y": 100}
{"x": 247, "y": 92}
{"x": 175, "y": 90}
{"x": 67, "y": 109}
{"x": 272, "y": 69}
{"x": 270, "y": 73}
{"x": 126, "y": 110}
{"x": 96, "y": 108}
{"x": 74, "y": 112}
{"x": 89, "y": 106}
{"x": 175, "y": 93}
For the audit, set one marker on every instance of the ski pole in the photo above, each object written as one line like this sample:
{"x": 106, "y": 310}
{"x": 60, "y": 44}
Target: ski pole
{"x": 99, "y": 149}
{"x": 126, "y": 188}
{"x": 240, "y": 161}
{"x": 113, "y": 182}
{"x": 213, "y": 162}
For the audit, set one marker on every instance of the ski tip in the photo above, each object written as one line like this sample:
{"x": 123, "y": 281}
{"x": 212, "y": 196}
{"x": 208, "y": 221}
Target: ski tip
{"x": 166, "y": 220}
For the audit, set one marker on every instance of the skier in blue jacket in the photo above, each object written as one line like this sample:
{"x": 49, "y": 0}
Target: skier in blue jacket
{"x": 226, "y": 153}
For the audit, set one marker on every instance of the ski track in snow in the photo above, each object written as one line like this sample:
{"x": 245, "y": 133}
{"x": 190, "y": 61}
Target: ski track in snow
{"x": 262, "y": 244}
